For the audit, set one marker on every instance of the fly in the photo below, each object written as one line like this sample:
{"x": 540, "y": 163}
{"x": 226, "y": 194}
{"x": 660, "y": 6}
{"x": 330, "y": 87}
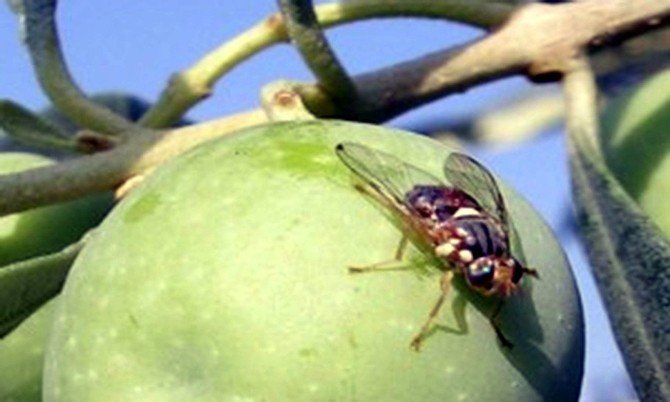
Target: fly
{"x": 466, "y": 224}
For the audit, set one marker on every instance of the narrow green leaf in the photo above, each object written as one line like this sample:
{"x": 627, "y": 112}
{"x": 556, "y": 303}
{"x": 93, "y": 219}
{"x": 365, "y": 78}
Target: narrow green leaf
{"x": 31, "y": 129}
{"x": 26, "y": 285}
{"x": 631, "y": 262}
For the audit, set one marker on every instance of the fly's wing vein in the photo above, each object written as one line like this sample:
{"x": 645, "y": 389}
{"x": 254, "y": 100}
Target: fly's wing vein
{"x": 470, "y": 176}
{"x": 390, "y": 179}
{"x": 384, "y": 170}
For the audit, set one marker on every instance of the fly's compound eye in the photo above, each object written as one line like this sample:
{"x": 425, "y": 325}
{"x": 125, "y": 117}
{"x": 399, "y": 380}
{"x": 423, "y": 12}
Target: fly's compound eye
{"x": 481, "y": 275}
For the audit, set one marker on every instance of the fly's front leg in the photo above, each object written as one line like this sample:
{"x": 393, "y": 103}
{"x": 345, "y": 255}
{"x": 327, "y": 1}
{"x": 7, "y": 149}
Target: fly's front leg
{"x": 445, "y": 284}
{"x": 494, "y": 320}
{"x": 394, "y": 264}
{"x": 532, "y": 272}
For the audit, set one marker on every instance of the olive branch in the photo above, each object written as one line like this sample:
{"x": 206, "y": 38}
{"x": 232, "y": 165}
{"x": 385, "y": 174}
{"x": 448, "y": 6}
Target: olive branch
{"x": 559, "y": 34}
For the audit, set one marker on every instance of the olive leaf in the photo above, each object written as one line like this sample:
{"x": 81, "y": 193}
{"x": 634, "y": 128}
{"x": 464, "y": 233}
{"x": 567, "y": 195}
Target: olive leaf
{"x": 130, "y": 106}
{"x": 26, "y": 285}
{"x": 31, "y": 129}
{"x": 630, "y": 257}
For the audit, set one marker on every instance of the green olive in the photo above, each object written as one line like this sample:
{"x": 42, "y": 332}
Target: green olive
{"x": 224, "y": 277}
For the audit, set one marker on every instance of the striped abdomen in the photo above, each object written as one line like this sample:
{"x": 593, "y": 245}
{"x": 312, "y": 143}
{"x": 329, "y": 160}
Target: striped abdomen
{"x": 479, "y": 234}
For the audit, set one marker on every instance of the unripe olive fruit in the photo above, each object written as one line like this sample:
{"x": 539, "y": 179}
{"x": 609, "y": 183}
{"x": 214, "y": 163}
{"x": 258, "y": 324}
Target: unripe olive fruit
{"x": 636, "y": 144}
{"x": 224, "y": 277}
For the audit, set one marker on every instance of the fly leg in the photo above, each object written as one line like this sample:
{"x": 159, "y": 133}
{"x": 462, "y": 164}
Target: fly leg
{"x": 531, "y": 271}
{"x": 494, "y": 320}
{"x": 402, "y": 247}
{"x": 394, "y": 264}
{"x": 445, "y": 284}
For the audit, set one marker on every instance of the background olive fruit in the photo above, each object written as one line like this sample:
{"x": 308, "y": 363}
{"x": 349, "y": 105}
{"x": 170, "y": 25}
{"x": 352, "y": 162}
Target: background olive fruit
{"x": 25, "y": 235}
{"x": 636, "y": 144}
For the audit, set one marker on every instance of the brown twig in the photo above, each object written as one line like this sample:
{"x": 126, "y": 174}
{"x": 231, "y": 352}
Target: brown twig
{"x": 536, "y": 42}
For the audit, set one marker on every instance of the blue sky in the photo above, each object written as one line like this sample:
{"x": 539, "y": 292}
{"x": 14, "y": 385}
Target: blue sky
{"x": 133, "y": 46}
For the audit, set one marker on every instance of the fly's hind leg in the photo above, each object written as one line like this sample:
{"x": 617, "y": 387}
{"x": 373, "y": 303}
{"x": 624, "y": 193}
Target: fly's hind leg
{"x": 445, "y": 284}
{"x": 494, "y": 319}
{"x": 394, "y": 264}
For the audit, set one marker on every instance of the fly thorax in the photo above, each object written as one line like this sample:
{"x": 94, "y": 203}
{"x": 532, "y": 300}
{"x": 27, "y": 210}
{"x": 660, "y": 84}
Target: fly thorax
{"x": 438, "y": 204}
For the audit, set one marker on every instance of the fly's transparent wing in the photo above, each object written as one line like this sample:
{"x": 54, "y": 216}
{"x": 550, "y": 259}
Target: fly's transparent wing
{"x": 390, "y": 179}
{"x": 470, "y": 176}
{"x": 384, "y": 172}
{"x": 473, "y": 178}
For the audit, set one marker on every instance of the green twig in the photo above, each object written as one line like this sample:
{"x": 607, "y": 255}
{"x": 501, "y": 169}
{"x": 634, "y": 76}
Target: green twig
{"x": 305, "y": 33}
{"x": 42, "y": 40}
{"x": 190, "y": 86}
